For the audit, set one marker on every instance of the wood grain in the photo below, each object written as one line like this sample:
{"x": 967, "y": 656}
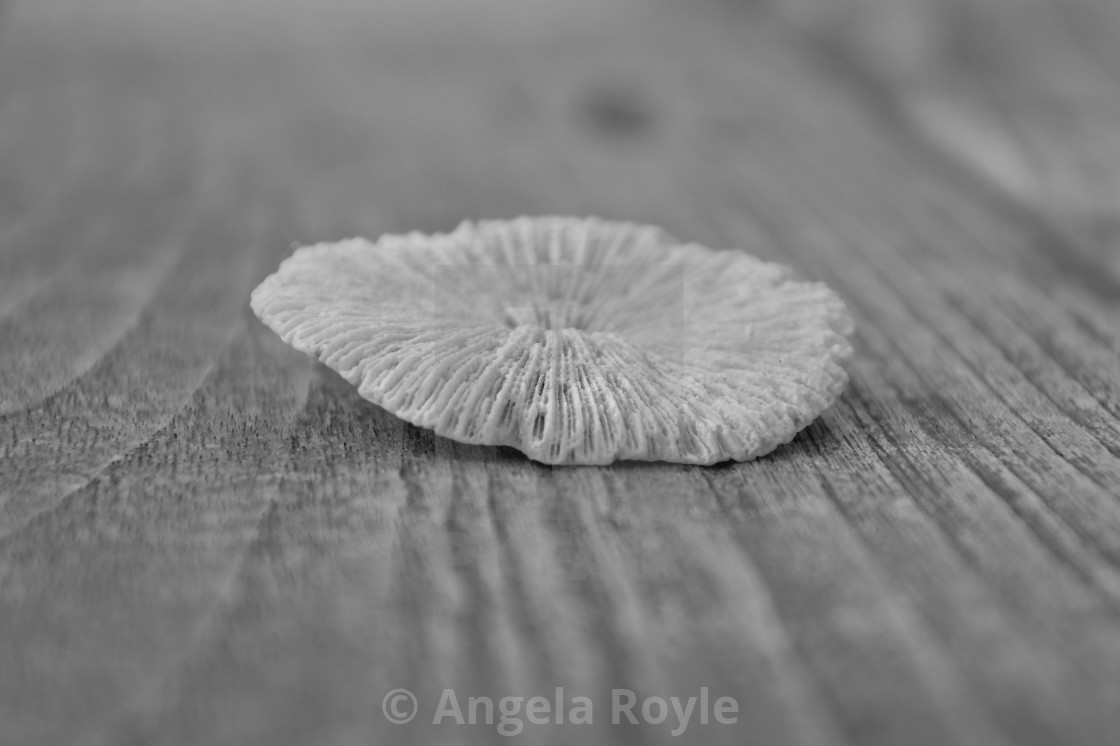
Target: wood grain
{"x": 205, "y": 538}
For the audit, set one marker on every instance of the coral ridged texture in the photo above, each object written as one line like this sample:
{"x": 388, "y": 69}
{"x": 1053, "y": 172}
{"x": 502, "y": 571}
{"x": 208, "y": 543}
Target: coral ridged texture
{"x": 573, "y": 340}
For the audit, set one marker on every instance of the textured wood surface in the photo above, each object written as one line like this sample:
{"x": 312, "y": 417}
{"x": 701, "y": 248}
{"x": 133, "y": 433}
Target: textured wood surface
{"x": 207, "y": 539}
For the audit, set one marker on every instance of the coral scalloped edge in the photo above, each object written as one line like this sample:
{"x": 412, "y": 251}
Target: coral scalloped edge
{"x": 573, "y": 340}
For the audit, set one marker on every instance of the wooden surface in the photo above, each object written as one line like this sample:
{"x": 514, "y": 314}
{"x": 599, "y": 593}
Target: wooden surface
{"x": 207, "y": 539}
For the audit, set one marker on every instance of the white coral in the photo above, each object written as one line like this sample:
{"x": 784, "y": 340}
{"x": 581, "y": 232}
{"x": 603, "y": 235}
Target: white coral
{"x": 576, "y": 341}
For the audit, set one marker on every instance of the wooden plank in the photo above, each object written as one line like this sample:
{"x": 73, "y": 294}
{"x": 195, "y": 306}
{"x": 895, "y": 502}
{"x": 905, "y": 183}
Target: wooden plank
{"x": 206, "y": 539}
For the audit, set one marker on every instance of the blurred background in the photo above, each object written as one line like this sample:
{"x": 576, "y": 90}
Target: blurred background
{"x": 382, "y": 112}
